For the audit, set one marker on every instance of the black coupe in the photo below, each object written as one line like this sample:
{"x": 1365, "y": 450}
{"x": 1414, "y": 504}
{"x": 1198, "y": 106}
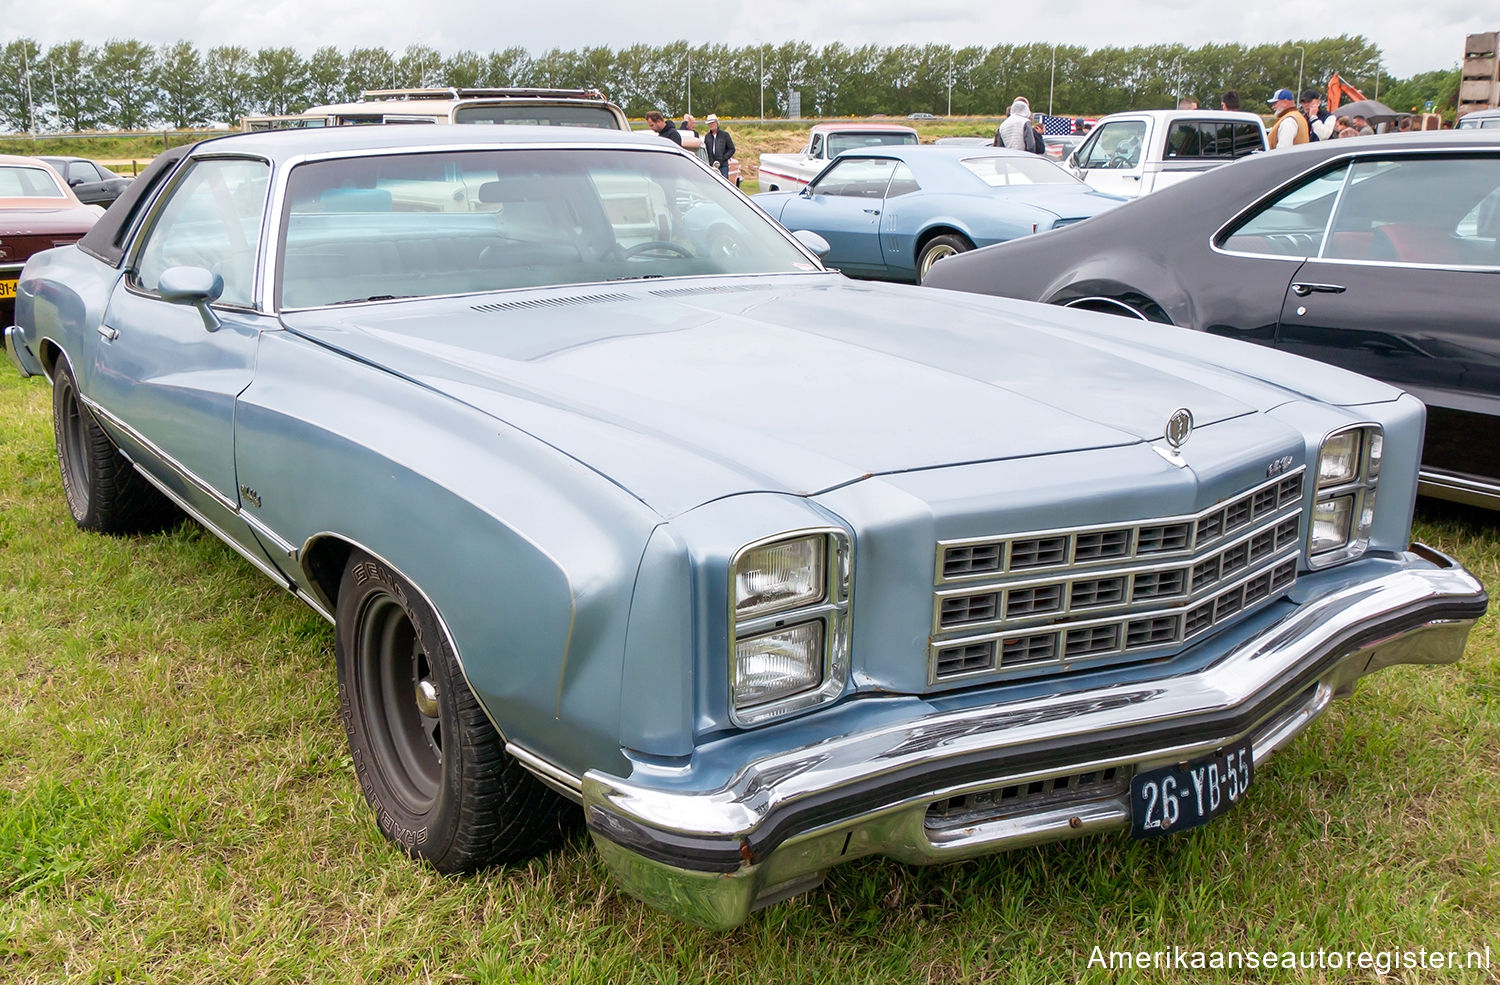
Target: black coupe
{"x": 1377, "y": 254}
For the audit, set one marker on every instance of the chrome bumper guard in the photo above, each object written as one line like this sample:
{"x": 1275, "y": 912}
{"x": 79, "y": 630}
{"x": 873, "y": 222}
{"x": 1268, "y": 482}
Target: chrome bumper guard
{"x": 20, "y": 356}
{"x": 711, "y": 857}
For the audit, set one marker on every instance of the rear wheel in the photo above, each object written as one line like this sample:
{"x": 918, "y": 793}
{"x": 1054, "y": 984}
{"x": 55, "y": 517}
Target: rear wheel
{"x": 940, "y": 248}
{"x": 428, "y": 760}
{"x": 104, "y": 491}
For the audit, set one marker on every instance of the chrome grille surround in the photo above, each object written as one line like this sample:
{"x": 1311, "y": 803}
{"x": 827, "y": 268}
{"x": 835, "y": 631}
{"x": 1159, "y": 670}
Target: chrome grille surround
{"x": 1047, "y": 602}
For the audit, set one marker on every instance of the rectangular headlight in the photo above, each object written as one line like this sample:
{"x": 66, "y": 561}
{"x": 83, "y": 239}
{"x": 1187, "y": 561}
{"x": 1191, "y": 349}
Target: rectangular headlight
{"x": 1338, "y": 461}
{"x": 1332, "y": 523}
{"x": 779, "y": 576}
{"x": 778, "y": 664}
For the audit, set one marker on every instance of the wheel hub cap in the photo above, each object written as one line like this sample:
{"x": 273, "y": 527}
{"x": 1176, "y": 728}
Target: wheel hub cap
{"x": 427, "y": 698}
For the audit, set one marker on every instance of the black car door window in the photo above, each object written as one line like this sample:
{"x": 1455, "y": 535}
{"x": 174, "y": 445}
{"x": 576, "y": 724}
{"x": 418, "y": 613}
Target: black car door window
{"x": 1439, "y": 210}
{"x": 856, "y": 177}
{"x": 1294, "y": 223}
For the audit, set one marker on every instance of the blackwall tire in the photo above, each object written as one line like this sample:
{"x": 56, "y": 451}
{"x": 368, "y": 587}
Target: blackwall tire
{"x": 428, "y": 759}
{"x": 104, "y": 491}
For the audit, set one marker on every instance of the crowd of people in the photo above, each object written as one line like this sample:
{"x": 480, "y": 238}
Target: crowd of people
{"x": 716, "y": 143}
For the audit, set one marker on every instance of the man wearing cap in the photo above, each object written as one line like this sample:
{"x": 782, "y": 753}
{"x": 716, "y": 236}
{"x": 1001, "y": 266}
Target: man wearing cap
{"x": 719, "y": 145}
{"x": 1290, "y": 126}
{"x": 1320, "y": 122}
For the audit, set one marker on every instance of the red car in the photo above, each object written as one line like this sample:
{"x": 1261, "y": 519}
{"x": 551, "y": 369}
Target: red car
{"x": 37, "y": 212}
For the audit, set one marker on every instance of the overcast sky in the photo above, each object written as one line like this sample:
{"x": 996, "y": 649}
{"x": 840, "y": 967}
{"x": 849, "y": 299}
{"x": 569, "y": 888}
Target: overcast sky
{"x": 1413, "y": 37}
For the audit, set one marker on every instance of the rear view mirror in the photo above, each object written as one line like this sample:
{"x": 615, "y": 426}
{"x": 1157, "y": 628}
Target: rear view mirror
{"x": 817, "y": 244}
{"x": 193, "y": 286}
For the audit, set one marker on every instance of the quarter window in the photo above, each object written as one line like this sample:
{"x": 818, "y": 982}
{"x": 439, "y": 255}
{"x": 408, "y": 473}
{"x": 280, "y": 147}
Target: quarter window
{"x": 212, "y": 220}
{"x": 1294, "y": 223}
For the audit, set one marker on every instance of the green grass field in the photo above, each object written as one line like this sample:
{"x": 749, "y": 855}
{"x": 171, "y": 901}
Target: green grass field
{"x": 177, "y": 805}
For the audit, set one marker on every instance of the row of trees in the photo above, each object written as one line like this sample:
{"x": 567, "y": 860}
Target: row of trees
{"x": 129, "y": 85}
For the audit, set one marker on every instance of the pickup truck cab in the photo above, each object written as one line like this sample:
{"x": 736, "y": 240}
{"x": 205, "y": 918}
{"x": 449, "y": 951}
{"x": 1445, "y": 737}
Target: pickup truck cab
{"x": 792, "y": 172}
{"x": 1136, "y": 153}
{"x": 529, "y": 106}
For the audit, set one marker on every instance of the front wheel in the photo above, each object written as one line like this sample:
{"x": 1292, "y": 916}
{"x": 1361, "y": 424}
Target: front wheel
{"x": 428, "y": 760}
{"x": 940, "y": 248}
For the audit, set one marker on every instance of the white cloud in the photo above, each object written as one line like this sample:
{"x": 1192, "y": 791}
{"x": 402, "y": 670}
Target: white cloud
{"x": 1412, "y": 38}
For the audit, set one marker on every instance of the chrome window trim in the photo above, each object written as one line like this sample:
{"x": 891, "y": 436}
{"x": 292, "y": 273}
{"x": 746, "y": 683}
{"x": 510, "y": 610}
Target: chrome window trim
{"x": 833, "y": 610}
{"x": 274, "y": 243}
{"x": 145, "y": 223}
{"x": 1348, "y": 158}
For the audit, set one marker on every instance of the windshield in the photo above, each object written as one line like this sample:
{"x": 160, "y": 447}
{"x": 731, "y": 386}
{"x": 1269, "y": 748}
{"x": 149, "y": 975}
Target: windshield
{"x": 539, "y": 115}
{"x": 22, "y": 182}
{"x": 430, "y": 224}
{"x": 999, "y": 172}
{"x": 840, "y": 142}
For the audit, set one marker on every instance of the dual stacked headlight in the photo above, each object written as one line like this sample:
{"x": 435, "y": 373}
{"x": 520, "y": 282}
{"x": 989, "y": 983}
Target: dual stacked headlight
{"x": 1344, "y": 510}
{"x": 789, "y": 624}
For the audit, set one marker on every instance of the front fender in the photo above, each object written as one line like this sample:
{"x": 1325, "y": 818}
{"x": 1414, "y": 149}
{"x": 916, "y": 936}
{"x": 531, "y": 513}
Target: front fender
{"x": 528, "y": 556}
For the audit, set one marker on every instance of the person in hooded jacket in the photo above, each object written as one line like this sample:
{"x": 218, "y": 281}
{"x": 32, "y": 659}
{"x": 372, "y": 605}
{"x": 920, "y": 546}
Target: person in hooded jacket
{"x": 1017, "y": 132}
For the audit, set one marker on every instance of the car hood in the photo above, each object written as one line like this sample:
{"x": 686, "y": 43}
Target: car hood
{"x": 797, "y": 383}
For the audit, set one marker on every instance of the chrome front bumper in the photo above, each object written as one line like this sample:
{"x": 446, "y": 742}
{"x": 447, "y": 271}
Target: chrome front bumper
{"x": 712, "y": 856}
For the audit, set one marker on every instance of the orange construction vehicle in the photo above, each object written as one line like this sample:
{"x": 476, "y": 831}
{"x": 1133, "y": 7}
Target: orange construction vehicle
{"x": 1340, "y": 91}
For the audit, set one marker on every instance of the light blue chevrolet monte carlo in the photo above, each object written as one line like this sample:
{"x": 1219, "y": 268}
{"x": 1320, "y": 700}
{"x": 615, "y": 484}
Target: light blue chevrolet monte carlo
{"x": 617, "y": 499}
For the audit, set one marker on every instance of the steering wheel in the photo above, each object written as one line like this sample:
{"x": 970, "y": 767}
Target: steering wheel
{"x": 658, "y": 247}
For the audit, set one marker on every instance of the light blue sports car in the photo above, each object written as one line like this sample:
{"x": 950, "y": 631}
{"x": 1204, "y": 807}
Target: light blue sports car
{"x": 617, "y": 500}
{"x": 892, "y": 212}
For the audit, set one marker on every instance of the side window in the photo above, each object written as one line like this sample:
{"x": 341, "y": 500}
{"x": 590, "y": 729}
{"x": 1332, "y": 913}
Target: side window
{"x": 1116, "y": 145}
{"x": 1437, "y": 210}
{"x": 84, "y": 171}
{"x": 1185, "y": 140}
{"x": 856, "y": 177}
{"x": 212, "y": 219}
{"x": 1247, "y": 139}
{"x": 816, "y": 148}
{"x": 1293, "y": 223}
{"x": 903, "y": 182}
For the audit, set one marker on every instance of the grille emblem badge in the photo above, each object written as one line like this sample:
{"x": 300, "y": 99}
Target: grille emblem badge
{"x": 1179, "y": 427}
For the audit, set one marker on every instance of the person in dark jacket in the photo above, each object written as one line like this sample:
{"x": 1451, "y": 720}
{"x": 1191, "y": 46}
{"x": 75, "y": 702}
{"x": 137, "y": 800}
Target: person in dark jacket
{"x": 663, "y": 127}
{"x": 719, "y": 145}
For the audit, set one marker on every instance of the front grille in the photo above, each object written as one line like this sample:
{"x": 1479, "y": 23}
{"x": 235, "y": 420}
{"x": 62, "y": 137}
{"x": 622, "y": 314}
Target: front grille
{"x": 1054, "y": 601}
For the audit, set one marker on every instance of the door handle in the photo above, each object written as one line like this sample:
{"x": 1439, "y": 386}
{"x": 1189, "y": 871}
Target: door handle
{"x": 109, "y": 333}
{"x": 872, "y": 211}
{"x": 1303, "y": 290}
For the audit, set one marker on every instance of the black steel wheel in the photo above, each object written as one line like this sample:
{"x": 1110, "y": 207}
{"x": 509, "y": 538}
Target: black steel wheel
{"x": 104, "y": 491}
{"x": 428, "y": 759}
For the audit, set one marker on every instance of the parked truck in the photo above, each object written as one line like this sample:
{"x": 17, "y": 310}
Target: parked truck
{"x": 792, "y": 172}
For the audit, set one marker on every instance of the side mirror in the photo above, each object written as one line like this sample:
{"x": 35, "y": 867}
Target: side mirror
{"x": 75, "y": 182}
{"x": 193, "y": 286}
{"x": 817, "y": 244}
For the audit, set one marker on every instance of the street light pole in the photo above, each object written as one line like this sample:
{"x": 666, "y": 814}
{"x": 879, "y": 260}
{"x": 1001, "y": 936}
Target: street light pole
{"x": 1301, "y": 57}
{"x": 690, "y": 82}
{"x": 950, "y": 81}
{"x": 1052, "y": 80}
{"x": 760, "y": 52}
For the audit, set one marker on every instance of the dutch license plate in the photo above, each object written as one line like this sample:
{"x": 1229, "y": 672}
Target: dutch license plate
{"x": 7, "y": 289}
{"x": 1176, "y": 798}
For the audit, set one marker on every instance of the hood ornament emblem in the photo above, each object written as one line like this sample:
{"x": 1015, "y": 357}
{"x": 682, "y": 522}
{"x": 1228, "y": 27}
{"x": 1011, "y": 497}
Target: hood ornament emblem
{"x": 1179, "y": 427}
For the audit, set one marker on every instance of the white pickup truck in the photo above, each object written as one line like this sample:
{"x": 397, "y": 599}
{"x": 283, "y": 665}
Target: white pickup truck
{"x": 1132, "y": 154}
{"x": 791, "y": 172}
